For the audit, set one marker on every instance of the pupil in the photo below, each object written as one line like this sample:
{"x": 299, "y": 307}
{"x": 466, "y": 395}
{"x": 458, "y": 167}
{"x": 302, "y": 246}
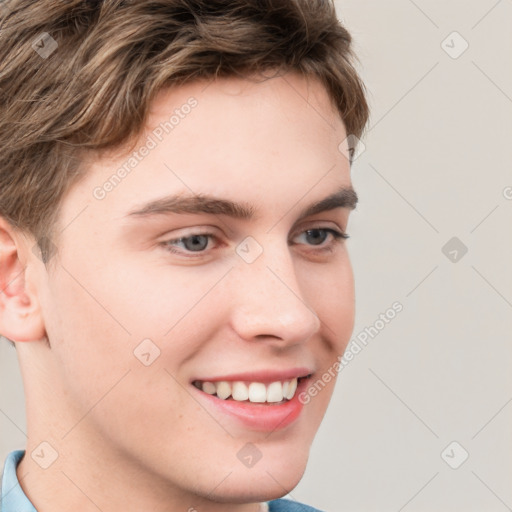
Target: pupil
{"x": 315, "y": 238}
{"x": 196, "y": 242}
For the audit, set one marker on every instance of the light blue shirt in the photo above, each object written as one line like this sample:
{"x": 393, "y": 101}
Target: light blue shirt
{"x": 13, "y": 498}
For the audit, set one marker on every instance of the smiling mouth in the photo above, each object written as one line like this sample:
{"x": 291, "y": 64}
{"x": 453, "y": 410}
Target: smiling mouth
{"x": 277, "y": 392}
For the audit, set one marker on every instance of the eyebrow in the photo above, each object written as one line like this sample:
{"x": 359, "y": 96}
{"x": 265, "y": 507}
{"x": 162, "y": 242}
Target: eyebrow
{"x": 345, "y": 197}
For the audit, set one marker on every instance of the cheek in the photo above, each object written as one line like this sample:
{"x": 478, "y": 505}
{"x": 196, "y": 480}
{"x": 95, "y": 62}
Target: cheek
{"x": 89, "y": 328}
{"x": 342, "y": 310}
{"x": 332, "y": 296}
{"x": 95, "y": 333}
{"x": 125, "y": 313}
{"x": 158, "y": 298}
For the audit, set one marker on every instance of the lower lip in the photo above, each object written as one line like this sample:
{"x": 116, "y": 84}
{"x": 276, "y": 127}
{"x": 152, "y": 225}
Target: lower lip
{"x": 264, "y": 417}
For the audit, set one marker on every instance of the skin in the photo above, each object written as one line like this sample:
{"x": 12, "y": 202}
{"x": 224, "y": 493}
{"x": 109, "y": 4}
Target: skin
{"x": 130, "y": 436}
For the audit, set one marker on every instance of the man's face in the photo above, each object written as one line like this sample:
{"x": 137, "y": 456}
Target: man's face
{"x": 148, "y": 309}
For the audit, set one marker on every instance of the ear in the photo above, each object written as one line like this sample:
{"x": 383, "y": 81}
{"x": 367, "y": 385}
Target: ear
{"x": 20, "y": 314}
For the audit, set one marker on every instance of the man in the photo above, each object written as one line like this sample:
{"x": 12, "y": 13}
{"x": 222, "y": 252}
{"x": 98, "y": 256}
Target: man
{"x": 174, "y": 198}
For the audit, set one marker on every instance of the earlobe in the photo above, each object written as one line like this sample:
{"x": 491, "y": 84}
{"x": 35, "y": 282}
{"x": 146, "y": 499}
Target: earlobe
{"x": 20, "y": 315}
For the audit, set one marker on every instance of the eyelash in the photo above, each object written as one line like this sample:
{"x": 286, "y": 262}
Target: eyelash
{"x": 338, "y": 237}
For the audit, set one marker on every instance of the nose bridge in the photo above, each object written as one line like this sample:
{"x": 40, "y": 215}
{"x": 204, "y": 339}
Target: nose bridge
{"x": 269, "y": 301}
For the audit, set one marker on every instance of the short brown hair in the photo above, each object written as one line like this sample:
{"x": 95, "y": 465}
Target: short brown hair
{"x": 109, "y": 59}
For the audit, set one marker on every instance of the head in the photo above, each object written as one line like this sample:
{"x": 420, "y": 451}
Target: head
{"x": 172, "y": 204}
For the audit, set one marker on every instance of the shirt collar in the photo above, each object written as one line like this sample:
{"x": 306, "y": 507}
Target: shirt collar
{"x": 13, "y": 499}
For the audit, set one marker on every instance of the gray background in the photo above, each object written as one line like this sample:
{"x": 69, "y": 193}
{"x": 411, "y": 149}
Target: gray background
{"x": 436, "y": 165}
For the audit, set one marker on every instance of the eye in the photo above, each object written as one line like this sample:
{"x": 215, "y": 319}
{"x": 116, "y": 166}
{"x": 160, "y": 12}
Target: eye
{"x": 198, "y": 244}
{"x": 318, "y": 236}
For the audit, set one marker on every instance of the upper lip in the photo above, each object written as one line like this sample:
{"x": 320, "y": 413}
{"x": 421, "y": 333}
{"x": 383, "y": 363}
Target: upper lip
{"x": 260, "y": 375}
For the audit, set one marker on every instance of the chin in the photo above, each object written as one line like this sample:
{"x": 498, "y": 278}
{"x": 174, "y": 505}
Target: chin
{"x": 255, "y": 490}
{"x": 270, "y": 478}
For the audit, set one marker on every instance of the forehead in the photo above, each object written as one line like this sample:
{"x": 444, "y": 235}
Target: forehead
{"x": 240, "y": 93}
{"x": 271, "y": 141}
{"x": 244, "y": 118}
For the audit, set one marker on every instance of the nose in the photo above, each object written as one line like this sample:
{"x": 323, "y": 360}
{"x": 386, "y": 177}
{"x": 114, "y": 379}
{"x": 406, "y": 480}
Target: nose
{"x": 268, "y": 300}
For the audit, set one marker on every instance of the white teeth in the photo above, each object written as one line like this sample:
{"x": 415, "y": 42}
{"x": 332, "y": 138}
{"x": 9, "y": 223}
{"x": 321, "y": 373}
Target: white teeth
{"x": 240, "y": 391}
{"x": 275, "y": 392}
{"x": 210, "y": 388}
{"x": 223, "y": 390}
{"x": 256, "y": 392}
{"x": 291, "y": 389}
